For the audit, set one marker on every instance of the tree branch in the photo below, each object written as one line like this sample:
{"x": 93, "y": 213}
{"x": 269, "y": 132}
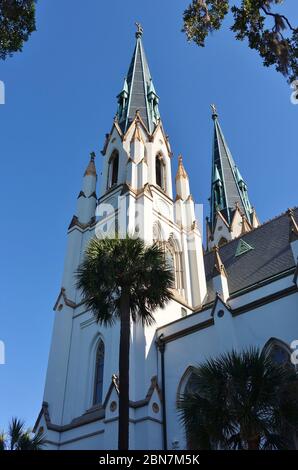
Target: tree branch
{"x": 275, "y": 15}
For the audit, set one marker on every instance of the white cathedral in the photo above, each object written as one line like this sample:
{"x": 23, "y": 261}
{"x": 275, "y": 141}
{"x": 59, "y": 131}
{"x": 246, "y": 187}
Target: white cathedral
{"x": 239, "y": 290}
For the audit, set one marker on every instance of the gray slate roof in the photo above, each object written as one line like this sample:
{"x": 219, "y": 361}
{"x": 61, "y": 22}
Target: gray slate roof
{"x": 138, "y": 81}
{"x": 271, "y": 255}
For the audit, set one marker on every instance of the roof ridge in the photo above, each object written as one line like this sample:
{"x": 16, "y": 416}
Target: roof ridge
{"x": 255, "y": 228}
{"x": 276, "y": 217}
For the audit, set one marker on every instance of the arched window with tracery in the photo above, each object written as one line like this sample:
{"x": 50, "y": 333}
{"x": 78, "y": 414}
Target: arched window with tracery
{"x": 170, "y": 260}
{"x": 158, "y": 233}
{"x": 113, "y": 169}
{"x": 175, "y": 261}
{"x": 98, "y": 376}
{"x": 187, "y": 385}
{"x": 280, "y": 353}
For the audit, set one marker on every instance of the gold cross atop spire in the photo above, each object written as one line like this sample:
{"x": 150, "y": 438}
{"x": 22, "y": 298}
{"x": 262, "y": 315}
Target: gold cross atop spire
{"x": 140, "y": 30}
{"x": 214, "y": 111}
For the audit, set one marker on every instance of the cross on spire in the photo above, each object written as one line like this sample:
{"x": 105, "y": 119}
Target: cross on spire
{"x": 214, "y": 111}
{"x": 140, "y": 30}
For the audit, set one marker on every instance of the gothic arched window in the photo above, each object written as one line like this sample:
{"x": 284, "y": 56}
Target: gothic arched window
{"x": 279, "y": 352}
{"x": 279, "y": 355}
{"x": 160, "y": 171}
{"x": 188, "y": 385}
{"x": 113, "y": 169}
{"x": 174, "y": 261}
{"x": 98, "y": 377}
{"x": 170, "y": 259}
{"x": 158, "y": 233}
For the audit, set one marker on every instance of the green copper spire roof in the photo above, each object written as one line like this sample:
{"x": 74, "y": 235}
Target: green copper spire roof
{"x": 141, "y": 94}
{"x": 234, "y": 190}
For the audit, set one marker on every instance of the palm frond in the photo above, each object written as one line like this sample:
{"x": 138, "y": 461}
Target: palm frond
{"x": 239, "y": 398}
{"x": 38, "y": 441}
{"x": 15, "y": 431}
{"x": 111, "y": 266}
{"x": 27, "y": 441}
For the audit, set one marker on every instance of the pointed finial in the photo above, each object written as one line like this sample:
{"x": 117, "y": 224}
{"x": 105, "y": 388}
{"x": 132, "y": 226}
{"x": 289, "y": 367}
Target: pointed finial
{"x": 245, "y": 226}
{"x": 293, "y": 225}
{"x": 124, "y": 88}
{"x": 238, "y": 175}
{"x": 151, "y": 91}
{"x": 91, "y": 170}
{"x": 214, "y": 112}
{"x": 140, "y": 30}
{"x": 216, "y": 177}
{"x": 218, "y": 264}
{"x": 181, "y": 173}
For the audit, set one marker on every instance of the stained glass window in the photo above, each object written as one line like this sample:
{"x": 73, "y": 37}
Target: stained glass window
{"x": 98, "y": 384}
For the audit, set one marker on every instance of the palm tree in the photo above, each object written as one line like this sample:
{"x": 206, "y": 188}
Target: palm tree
{"x": 240, "y": 401}
{"x": 124, "y": 279}
{"x": 19, "y": 438}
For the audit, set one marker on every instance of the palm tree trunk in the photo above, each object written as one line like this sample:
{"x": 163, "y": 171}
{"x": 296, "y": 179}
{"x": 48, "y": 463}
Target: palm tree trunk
{"x": 123, "y": 429}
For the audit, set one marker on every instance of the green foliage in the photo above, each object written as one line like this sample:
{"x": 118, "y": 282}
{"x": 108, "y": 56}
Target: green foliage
{"x": 203, "y": 17}
{"x": 19, "y": 438}
{"x": 17, "y": 22}
{"x": 240, "y": 401}
{"x": 114, "y": 266}
{"x": 268, "y": 32}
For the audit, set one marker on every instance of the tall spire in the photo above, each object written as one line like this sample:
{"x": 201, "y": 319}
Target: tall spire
{"x": 86, "y": 204}
{"x": 138, "y": 93}
{"x": 228, "y": 188}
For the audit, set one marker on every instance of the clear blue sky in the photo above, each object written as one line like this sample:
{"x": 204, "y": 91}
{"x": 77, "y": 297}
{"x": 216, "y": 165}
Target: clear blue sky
{"x": 60, "y": 101}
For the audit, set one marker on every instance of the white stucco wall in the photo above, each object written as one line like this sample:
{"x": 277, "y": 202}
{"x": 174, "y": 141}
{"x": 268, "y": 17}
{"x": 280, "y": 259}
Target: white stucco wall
{"x": 278, "y": 319}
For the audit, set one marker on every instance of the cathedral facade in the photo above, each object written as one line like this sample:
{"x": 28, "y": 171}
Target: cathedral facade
{"x": 239, "y": 290}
